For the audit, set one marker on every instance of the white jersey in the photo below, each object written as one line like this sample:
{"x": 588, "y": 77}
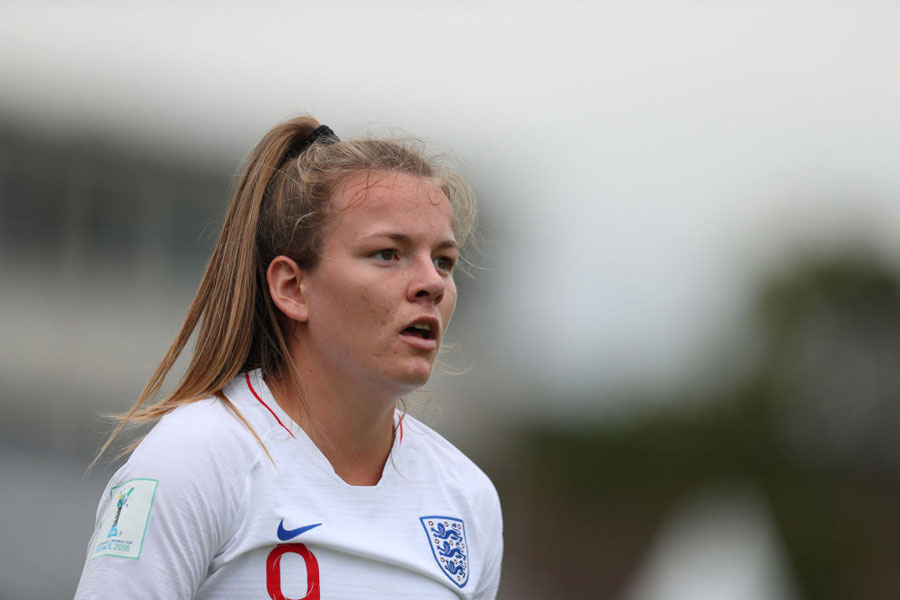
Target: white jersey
{"x": 200, "y": 511}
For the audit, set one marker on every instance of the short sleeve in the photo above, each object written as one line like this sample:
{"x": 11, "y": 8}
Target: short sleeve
{"x": 491, "y": 519}
{"x": 166, "y": 513}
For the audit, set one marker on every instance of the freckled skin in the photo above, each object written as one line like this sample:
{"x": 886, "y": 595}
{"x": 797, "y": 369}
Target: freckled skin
{"x": 369, "y": 286}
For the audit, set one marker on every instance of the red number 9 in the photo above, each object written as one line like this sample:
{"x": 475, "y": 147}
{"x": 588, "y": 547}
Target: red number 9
{"x": 273, "y": 571}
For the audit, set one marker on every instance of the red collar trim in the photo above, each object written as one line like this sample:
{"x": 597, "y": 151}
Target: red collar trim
{"x": 261, "y": 401}
{"x": 250, "y": 385}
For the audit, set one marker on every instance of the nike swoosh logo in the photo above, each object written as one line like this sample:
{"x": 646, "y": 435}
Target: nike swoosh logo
{"x": 286, "y": 534}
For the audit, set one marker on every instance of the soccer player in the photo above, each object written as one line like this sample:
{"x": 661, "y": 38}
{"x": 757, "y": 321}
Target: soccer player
{"x": 283, "y": 464}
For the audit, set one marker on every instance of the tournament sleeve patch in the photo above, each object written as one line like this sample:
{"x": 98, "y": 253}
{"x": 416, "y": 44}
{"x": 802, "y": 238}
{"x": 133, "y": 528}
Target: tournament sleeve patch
{"x": 122, "y": 528}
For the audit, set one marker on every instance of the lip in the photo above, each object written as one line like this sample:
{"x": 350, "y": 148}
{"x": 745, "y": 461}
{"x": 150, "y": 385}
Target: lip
{"x": 422, "y": 343}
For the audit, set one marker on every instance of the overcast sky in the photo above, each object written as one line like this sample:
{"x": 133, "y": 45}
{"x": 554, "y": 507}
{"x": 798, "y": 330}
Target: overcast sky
{"x": 639, "y": 163}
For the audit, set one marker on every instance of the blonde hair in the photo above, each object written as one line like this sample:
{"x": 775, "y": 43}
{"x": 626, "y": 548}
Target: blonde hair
{"x": 281, "y": 206}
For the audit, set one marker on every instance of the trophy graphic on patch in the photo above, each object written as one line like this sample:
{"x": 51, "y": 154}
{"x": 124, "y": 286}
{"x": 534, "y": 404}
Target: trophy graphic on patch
{"x": 123, "y": 499}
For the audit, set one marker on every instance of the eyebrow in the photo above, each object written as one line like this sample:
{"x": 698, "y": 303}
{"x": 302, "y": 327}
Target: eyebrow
{"x": 402, "y": 238}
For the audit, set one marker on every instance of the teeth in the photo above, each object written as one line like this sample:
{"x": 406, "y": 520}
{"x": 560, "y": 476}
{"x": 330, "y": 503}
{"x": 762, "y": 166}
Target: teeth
{"x": 422, "y": 326}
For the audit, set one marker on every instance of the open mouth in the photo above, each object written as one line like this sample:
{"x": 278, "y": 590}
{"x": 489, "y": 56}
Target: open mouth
{"x": 419, "y": 330}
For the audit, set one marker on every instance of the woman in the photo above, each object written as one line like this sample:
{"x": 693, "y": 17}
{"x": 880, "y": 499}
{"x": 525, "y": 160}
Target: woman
{"x": 281, "y": 465}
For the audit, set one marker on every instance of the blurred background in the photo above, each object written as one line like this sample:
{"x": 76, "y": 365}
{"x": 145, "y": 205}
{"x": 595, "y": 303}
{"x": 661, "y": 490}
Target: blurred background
{"x": 681, "y": 332}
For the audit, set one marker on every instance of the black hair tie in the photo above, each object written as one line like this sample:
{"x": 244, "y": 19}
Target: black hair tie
{"x": 322, "y": 132}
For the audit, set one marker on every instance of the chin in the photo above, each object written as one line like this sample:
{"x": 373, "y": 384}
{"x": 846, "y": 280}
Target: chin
{"x": 413, "y": 378}
{"x": 416, "y": 381}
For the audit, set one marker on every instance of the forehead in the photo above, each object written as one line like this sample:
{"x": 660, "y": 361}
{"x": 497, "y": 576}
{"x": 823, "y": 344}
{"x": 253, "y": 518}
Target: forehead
{"x": 374, "y": 199}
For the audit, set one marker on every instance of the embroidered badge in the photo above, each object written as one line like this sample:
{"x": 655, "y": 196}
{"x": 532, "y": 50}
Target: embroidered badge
{"x": 447, "y": 540}
{"x": 122, "y": 528}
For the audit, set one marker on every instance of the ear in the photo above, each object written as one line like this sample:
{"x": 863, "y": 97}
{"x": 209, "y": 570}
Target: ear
{"x": 285, "y": 277}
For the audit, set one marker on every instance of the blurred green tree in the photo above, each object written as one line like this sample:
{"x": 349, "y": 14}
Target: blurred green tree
{"x": 813, "y": 427}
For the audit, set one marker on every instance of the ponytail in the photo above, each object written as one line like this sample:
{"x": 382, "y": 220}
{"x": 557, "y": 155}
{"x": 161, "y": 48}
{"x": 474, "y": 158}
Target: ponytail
{"x": 226, "y": 304}
{"x": 280, "y": 207}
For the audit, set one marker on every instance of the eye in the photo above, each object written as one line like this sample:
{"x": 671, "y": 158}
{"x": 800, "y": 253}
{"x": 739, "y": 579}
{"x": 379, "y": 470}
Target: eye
{"x": 444, "y": 263}
{"x": 386, "y": 255}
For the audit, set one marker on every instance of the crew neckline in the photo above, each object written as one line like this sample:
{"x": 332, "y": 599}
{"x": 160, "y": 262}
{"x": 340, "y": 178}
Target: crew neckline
{"x": 255, "y": 383}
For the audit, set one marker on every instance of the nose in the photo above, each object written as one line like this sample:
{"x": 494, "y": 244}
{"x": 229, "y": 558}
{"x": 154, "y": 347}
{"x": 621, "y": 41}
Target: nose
{"x": 426, "y": 283}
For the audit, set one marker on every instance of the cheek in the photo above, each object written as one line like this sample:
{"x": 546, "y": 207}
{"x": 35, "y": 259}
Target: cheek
{"x": 371, "y": 309}
{"x": 449, "y": 302}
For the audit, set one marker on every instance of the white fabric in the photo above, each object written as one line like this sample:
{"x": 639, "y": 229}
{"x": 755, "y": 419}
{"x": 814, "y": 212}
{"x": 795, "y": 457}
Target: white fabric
{"x": 212, "y": 529}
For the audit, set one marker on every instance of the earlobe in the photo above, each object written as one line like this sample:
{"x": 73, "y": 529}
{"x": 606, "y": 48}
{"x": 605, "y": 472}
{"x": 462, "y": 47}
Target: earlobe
{"x": 285, "y": 277}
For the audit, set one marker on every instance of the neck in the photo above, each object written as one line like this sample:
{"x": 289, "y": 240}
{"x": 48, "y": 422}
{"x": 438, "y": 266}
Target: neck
{"x": 350, "y": 427}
